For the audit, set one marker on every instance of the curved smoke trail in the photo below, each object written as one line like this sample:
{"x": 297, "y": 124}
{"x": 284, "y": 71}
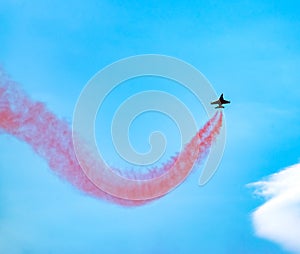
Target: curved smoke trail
{"x": 51, "y": 138}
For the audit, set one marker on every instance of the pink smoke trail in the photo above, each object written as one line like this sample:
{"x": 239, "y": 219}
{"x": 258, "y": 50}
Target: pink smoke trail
{"x": 174, "y": 172}
{"x": 51, "y": 138}
{"x": 202, "y": 139}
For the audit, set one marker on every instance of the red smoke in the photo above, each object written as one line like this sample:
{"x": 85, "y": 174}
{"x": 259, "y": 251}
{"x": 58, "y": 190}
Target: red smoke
{"x": 51, "y": 138}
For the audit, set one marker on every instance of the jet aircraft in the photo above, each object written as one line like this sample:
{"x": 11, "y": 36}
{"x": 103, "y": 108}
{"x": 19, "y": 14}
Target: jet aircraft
{"x": 220, "y": 102}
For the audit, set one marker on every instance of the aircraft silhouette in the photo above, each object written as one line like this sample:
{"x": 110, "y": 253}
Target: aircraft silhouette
{"x": 220, "y": 102}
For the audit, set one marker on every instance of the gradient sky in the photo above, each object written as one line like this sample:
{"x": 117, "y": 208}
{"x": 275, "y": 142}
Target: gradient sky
{"x": 247, "y": 49}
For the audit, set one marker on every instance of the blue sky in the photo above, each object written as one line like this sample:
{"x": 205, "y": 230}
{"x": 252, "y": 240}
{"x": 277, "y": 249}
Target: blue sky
{"x": 247, "y": 49}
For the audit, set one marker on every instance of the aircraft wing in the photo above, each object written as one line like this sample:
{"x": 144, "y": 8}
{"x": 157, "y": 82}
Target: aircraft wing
{"x": 215, "y": 102}
{"x": 225, "y": 102}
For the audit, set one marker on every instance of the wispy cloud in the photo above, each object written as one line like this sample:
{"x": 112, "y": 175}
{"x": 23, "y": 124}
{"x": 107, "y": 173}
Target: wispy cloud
{"x": 278, "y": 219}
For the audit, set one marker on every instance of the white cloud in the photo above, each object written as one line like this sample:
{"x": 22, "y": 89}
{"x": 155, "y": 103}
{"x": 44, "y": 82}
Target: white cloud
{"x": 278, "y": 219}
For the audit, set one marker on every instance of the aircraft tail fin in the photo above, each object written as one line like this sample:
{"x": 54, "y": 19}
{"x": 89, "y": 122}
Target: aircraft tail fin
{"x": 220, "y": 106}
